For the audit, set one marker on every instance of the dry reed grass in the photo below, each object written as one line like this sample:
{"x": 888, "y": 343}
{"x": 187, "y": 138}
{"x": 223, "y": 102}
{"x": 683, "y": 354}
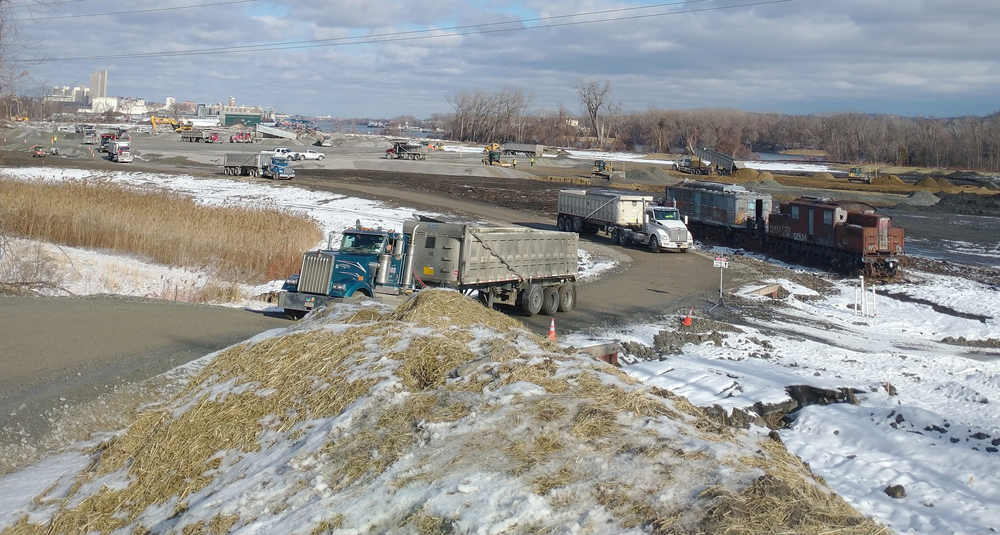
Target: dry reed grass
{"x": 395, "y": 372}
{"x": 235, "y": 243}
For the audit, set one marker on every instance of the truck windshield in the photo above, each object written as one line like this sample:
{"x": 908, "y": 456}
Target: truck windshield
{"x": 666, "y": 215}
{"x": 362, "y": 243}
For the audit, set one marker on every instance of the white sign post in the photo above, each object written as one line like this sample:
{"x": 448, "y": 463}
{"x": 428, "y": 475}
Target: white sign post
{"x": 722, "y": 263}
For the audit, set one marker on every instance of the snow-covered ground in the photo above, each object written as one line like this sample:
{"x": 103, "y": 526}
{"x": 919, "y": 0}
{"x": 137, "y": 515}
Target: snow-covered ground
{"x": 591, "y": 155}
{"x": 938, "y": 436}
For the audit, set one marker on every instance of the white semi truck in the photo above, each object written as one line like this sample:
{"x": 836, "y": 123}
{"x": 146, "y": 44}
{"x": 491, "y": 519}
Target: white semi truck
{"x": 626, "y": 218}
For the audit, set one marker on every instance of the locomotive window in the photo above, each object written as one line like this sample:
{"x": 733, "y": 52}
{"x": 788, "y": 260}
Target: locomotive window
{"x": 827, "y": 217}
{"x": 795, "y": 212}
{"x": 429, "y": 244}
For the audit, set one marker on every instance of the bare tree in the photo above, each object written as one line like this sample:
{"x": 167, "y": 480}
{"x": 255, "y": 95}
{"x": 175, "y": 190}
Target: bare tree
{"x": 597, "y": 101}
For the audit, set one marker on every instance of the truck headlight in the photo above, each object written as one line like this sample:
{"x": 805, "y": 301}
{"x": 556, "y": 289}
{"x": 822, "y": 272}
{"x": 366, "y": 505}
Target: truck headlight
{"x": 339, "y": 286}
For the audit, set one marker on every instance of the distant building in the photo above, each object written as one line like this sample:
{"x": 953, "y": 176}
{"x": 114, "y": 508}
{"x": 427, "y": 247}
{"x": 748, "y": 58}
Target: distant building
{"x": 103, "y": 104}
{"x": 99, "y": 84}
{"x": 169, "y": 103}
{"x": 78, "y": 94}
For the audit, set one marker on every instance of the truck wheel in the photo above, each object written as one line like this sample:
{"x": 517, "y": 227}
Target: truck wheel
{"x": 577, "y": 225}
{"x": 567, "y": 297}
{"x": 654, "y": 244}
{"x": 550, "y": 301}
{"x": 616, "y": 236}
{"x": 294, "y": 314}
{"x": 531, "y": 299}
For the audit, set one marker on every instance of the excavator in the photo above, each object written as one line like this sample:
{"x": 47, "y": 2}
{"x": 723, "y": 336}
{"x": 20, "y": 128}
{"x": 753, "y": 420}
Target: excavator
{"x": 176, "y": 126}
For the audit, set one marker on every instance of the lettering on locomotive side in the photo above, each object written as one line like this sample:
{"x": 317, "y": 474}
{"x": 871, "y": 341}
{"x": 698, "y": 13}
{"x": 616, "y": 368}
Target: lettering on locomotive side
{"x": 781, "y": 231}
{"x": 798, "y": 236}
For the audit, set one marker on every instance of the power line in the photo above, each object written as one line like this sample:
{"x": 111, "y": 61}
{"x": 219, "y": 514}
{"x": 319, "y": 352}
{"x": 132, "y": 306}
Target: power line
{"x": 131, "y": 12}
{"x": 416, "y": 35}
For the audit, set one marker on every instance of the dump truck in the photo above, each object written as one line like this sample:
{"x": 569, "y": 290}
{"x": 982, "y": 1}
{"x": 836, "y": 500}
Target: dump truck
{"x": 106, "y": 139}
{"x": 523, "y": 148}
{"x": 325, "y": 140}
{"x": 534, "y": 270}
{"x": 257, "y": 164}
{"x": 402, "y": 150}
{"x": 626, "y": 218}
{"x": 120, "y": 151}
{"x": 200, "y": 136}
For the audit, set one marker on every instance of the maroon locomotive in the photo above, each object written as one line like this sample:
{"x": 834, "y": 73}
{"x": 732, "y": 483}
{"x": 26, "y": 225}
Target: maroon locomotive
{"x": 847, "y": 235}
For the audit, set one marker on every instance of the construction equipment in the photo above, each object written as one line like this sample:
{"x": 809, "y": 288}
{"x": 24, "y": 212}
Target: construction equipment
{"x": 602, "y": 169}
{"x": 535, "y": 270}
{"x": 492, "y": 158}
{"x": 175, "y": 125}
{"x": 718, "y": 163}
{"x": 860, "y": 175}
{"x": 106, "y": 139}
{"x": 37, "y": 151}
{"x": 492, "y": 147}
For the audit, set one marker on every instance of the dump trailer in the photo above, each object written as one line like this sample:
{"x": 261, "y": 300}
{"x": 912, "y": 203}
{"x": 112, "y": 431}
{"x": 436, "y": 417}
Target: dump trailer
{"x": 523, "y": 148}
{"x": 120, "y": 151}
{"x": 718, "y": 163}
{"x": 200, "y": 136}
{"x": 627, "y": 218}
{"x": 257, "y": 164}
{"x": 407, "y": 151}
{"x": 531, "y": 269}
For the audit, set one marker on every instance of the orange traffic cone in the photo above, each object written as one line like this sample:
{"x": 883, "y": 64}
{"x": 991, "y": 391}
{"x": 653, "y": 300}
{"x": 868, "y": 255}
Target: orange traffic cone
{"x": 687, "y": 319}
{"x": 552, "y": 329}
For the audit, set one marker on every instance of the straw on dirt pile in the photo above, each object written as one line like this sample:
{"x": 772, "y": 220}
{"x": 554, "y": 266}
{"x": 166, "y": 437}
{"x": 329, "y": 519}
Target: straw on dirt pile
{"x": 360, "y": 408}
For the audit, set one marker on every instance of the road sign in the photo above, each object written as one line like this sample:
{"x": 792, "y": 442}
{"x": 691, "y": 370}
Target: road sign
{"x": 721, "y": 262}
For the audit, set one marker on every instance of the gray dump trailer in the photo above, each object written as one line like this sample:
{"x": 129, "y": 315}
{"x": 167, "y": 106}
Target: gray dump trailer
{"x": 533, "y": 269}
{"x": 523, "y": 148}
{"x": 407, "y": 151}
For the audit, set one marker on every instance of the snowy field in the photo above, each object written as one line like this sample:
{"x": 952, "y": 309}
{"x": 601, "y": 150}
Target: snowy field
{"x": 938, "y": 436}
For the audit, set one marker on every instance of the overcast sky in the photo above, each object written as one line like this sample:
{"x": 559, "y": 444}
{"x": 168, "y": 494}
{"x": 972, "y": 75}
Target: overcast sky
{"x": 381, "y": 59}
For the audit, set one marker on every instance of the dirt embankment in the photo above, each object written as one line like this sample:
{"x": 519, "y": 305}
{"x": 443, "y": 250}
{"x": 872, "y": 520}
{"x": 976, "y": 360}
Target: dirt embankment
{"x": 959, "y": 203}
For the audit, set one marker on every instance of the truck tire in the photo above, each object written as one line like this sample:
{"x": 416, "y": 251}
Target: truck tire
{"x": 616, "y": 236}
{"x": 567, "y": 297}
{"x": 531, "y": 299}
{"x": 577, "y": 225}
{"x": 294, "y": 314}
{"x": 654, "y": 244}
{"x": 550, "y": 301}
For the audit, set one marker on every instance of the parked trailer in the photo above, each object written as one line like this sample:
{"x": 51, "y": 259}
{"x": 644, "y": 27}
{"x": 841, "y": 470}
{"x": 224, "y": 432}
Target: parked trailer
{"x": 523, "y": 148}
{"x": 258, "y": 164}
{"x": 533, "y": 269}
{"x": 625, "y": 217}
{"x": 407, "y": 151}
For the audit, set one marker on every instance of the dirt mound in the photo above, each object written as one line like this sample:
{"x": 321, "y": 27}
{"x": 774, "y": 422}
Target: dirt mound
{"x": 823, "y": 175}
{"x": 927, "y": 183}
{"x": 766, "y": 177}
{"x": 959, "y": 203}
{"x": 945, "y": 183}
{"x": 361, "y": 408}
{"x": 887, "y": 180}
{"x": 745, "y": 175}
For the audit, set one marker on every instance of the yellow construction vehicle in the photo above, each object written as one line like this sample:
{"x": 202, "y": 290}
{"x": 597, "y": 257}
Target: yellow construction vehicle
{"x": 492, "y": 147}
{"x": 602, "y": 169}
{"x": 861, "y": 175}
{"x": 175, "y": 125}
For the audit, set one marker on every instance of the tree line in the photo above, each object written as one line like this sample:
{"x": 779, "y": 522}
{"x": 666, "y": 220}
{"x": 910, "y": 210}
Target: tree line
{"x": 507, "y": 115}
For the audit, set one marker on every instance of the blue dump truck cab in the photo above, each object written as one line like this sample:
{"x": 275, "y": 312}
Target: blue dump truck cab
{"x": 368, "y": 262}
{"x": 279, "y": 168}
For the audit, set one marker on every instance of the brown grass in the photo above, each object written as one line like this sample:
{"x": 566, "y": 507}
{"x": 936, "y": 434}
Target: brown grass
{"x": 240, "y": 244}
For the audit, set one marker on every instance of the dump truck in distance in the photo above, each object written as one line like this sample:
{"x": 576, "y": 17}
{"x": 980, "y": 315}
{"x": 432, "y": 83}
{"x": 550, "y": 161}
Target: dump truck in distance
{"x": 200, "y": 136}
{"x": 256, "y": 164}
{"x": 407, "y": 151}
{"x": 627, "y": 218}
{"x": 531, "y": 269}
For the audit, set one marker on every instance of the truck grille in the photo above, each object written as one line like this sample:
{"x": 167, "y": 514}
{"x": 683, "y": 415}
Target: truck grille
{"x": 678, "y": 234}
{"x": 317, "y": 269}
